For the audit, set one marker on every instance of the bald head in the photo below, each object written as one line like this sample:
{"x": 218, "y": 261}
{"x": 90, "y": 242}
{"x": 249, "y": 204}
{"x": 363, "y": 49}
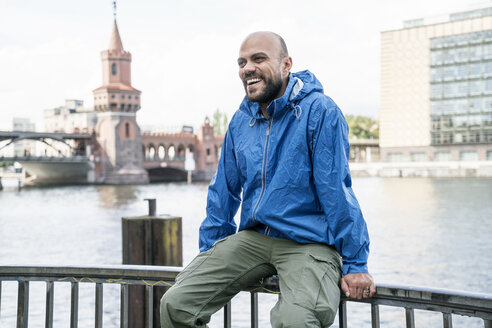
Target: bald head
{"x": 273, "y": 38}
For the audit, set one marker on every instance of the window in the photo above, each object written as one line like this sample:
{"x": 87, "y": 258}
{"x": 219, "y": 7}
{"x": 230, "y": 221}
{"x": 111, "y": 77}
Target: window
{"x": 474, "y": 70}
{"x": 468, "y": 156}
{"x": 418, "y": 157}
{"x": 395, "y": 157}
{"x": 208, "y": 151}
{"x": 489, "y": 155}
{"x": 127, "y": 130}
{"x": 442, "y": 156}
{"x": 436, "y": 91}
{"x": 113, "y": 69}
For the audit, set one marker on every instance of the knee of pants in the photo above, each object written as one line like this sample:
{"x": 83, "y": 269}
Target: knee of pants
{"x": 173, "y": 308}
{"x": 293, "y": 315}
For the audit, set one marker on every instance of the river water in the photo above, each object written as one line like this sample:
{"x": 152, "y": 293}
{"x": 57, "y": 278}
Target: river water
{"x": 426, "y": 232}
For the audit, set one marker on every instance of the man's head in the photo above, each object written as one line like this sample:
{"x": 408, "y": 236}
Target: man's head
{"x": 264, "y": 66}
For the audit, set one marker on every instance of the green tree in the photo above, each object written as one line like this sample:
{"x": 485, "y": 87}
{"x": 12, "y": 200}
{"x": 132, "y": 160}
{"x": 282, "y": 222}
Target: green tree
{"x": 362, "y": 127}
{"x": 220, "y": 122}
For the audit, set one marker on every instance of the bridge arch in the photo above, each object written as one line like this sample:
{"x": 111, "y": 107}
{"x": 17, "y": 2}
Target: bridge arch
{"x": 161, "y": 152}
{"x": 171, "y": 152}
{"x": 181, "y": 152}
{"x": 151, "y": 152}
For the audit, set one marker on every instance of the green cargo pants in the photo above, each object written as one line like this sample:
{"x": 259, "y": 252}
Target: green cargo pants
{"x": 309, "y": 276}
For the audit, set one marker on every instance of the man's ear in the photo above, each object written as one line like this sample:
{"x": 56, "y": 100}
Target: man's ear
{"x": 286, "y": 66}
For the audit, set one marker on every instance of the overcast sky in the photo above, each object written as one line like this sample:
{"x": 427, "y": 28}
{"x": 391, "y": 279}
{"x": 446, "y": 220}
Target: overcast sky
{"x": 184, "y": 51}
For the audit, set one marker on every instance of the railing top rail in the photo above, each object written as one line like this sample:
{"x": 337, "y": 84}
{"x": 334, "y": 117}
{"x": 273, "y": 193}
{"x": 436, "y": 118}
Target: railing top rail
{"x": 441, "y": 300}
{"x": 100, "y": 271}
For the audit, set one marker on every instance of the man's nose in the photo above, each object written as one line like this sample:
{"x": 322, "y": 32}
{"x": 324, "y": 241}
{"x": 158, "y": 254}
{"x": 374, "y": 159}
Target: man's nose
{"x": 249, "y": 67}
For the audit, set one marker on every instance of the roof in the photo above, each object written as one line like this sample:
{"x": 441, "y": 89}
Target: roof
{"x": 115, "y": 42}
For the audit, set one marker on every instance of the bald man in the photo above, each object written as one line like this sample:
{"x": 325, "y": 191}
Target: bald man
{"x": 285, "y": 161}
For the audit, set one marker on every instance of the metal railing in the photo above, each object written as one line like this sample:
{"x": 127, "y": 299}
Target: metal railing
{"x": 409, "y": 298}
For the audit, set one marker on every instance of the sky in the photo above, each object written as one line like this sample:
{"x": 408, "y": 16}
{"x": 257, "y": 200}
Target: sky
{"x": 184, "y": 52}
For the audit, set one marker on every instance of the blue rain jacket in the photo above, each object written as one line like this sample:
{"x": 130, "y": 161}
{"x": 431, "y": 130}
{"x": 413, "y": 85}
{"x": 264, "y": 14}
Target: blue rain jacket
{"x": 292, "y": 174}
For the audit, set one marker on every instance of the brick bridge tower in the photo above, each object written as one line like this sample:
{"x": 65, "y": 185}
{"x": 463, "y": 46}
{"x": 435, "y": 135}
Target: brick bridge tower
{"x": 120, "y": 158}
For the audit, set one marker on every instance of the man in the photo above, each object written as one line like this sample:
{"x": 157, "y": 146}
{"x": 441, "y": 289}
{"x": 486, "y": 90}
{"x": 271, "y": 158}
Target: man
{"x": 285, "y": 154}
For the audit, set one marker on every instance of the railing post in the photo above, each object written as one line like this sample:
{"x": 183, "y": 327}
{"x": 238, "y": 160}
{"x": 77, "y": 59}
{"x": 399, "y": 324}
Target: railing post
{"x": 227, "y": 315}
{"x": 124, "y": 307}
{"x": 410, "y": 318}
{"x": 23, "y": 304}
{"x": 99, "y": 305}
{"x": 447, "y": 320}
{"x": 254, "y": 310}
{"x": 74, "y": 305}
{"x": 50, "y": 296}
{"x": 342, "y": 314}
{"x": 149, "y": 306}
{"x": 375, "y": 315}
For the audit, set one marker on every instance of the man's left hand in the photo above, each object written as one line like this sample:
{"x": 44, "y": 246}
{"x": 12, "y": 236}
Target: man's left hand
{"x": 358, "y": 285}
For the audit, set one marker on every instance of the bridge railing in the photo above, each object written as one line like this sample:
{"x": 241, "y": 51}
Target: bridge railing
{"x": 409, "y": 298}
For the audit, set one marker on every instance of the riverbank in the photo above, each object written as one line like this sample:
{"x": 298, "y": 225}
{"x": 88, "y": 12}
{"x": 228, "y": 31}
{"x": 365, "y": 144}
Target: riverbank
{"x": 450, "y": 169}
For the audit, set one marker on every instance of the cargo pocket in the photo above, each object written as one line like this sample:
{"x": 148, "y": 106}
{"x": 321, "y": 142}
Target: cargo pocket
{"x": 318, "y": 289}
{"x": 197, "y": 262}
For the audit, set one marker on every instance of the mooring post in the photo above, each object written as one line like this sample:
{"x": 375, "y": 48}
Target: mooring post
{"x": 150, "y": 240}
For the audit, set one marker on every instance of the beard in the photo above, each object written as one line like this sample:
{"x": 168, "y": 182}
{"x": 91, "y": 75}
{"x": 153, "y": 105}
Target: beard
{"x": 270, "y": 91}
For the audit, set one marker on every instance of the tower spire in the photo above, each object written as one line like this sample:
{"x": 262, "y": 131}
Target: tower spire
{"x": 114, "y": 9}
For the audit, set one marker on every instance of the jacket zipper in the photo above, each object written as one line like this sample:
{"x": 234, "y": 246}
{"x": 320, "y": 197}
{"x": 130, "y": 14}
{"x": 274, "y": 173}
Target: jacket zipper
{"x": 264, "y": 167}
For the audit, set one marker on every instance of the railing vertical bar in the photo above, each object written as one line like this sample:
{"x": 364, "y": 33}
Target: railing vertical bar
{"x": 74, "y": 305}
{"x": 124, "y": 307}
{"x": 50, "y": 297}
{"x": 227, "y": 315}
{"x": 342, "y": 314}
{"x": 254, "y": 310}
{"x": 23, "y": 304}
{"x": 99, "y": 305}
{"x": 149, "y": 306}
{"x": 410, "y": 317}
{"x": 447, "y": 320}
{"x": 487, "y": 323}
{"x": 375, "y": 315}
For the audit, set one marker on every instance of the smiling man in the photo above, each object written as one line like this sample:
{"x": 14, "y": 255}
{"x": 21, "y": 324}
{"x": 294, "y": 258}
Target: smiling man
{"x": 285, "y": 161}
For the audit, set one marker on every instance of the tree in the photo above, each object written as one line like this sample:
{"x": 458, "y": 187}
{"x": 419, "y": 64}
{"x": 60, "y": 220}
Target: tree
{"x": 220, "y": 122}
{"x": 362, "y": 127}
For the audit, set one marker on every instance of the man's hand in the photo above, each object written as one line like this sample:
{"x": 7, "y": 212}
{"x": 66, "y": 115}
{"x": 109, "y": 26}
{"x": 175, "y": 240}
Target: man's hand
{"x": 358, "y": 285}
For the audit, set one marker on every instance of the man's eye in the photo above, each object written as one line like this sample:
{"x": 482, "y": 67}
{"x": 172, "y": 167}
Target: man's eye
{"x": 241, "y": 64}
{"x": 259, "y": 59}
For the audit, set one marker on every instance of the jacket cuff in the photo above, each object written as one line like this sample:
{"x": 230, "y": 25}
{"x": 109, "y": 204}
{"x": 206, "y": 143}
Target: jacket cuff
{"x": 354, "y": 268}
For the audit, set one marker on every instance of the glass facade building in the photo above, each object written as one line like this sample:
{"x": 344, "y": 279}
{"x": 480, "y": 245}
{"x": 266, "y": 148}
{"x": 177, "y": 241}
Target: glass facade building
{"x": 436, "y": 89}
{"x": 461, "y": 88}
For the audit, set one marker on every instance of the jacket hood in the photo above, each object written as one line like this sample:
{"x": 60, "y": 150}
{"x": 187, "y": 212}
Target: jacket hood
{"x": 300, "y": 85}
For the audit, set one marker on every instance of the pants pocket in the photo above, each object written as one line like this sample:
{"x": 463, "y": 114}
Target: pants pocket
{"x": 318, "y": 288}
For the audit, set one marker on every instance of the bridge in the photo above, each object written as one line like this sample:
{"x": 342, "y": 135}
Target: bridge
{"x": 73, "y": 157}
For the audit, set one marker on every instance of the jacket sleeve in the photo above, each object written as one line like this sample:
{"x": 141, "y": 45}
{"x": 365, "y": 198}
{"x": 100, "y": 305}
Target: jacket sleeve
{"x": 330, "y": 151}
{"x": 223, "y": 198}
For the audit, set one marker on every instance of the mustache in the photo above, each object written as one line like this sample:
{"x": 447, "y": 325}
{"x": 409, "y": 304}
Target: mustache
{"x": 250, "y": 75}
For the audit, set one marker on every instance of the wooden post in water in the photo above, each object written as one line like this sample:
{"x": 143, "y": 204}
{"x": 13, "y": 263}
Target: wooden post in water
{"x": 150, "y": 240}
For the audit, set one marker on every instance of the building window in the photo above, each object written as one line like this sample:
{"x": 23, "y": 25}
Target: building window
{"x": 489, "y": 155}
{"x": 442, "y": 156}
{"x": 113, "y": 69}
{"x": 127, "y": 130}
{"x": 395, "y": 157}
{"x": 208, "y": 151}
{"x": 468, "y": 156}
{"x": 418, "y": 157}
